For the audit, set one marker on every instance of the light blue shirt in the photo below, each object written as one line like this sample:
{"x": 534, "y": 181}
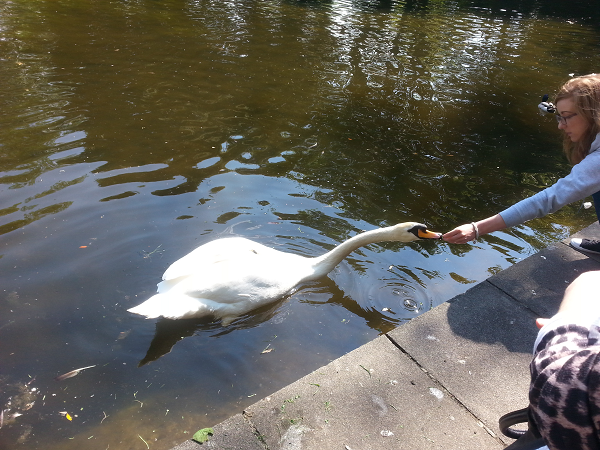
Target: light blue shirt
{"x": 583, "y": 181}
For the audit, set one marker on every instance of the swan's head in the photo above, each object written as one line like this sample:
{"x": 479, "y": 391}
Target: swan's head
{"x": 412, "y": 231}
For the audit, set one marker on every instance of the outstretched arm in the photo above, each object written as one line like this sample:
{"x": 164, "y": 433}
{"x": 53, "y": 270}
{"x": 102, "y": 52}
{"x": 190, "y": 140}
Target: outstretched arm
{"x": 466, "y": 232}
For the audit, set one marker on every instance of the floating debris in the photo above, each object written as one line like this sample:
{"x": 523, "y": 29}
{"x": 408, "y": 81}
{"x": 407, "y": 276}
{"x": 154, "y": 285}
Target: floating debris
{"x": 123, "y": 334}
{"x": 66, "y": 415}
{"x": 386, "y": 433}
{"x": 411, "y": 304}
{"x": 28, "y": 406}
{"x": 148, "y": 255}
{"x": 144, "y": 441}
{"x": 7, "y": 324}
{"x": 72, "y": 373}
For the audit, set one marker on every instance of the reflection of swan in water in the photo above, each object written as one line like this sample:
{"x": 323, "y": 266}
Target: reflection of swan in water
{"x": 229, "y": 277}
{"x": 324, "y": 291}
{"x": 168, "y": 332}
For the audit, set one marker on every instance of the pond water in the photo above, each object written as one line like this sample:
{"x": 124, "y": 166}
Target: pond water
{"x": 133, "y": 131}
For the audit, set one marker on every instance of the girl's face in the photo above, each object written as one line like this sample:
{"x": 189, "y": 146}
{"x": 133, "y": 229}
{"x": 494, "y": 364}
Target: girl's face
{"x": 572, "y": 123}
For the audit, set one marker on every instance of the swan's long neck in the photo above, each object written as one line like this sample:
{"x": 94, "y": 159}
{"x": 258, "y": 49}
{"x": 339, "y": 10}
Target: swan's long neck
{"x": 324, "y": 264}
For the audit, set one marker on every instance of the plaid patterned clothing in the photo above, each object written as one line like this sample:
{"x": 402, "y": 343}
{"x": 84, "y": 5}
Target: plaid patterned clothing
{"x": 565, "y": 386}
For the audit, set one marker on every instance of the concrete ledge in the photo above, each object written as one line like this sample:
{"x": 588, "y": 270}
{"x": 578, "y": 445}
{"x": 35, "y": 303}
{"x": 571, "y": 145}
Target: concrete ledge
{"x": 539, "y": 281}
{"x": 373, "y": 397}
{"x": 479, "y": 348}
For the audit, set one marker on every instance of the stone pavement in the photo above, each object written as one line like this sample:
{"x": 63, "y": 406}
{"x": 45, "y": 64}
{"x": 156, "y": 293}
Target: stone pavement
{"x": 440, "y": 381}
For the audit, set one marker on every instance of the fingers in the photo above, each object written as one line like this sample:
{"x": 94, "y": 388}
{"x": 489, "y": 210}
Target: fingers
{"x": 460, "y": 235}
{"x": 540, "y": 322}
{"x": 454, "y": 238}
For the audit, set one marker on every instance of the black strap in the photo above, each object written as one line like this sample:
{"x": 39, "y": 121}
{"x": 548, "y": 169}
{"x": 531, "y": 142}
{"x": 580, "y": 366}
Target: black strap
{"x": 513, "y": 418}
{"x": 525, "y": 440}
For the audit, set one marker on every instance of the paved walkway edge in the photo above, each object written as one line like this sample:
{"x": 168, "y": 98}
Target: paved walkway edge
{"x": 440, "y": 381}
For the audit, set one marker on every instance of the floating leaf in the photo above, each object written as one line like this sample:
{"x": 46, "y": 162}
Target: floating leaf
{"x": 66, "y": 415}
{"x": 202, "y": 435}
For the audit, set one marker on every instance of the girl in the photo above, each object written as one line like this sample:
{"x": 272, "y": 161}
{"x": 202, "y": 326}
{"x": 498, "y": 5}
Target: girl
{"x": 578, "y": 116}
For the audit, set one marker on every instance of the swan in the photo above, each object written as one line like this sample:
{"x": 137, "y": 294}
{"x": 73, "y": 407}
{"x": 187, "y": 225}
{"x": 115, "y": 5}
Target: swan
{"x": 231, "y": 276}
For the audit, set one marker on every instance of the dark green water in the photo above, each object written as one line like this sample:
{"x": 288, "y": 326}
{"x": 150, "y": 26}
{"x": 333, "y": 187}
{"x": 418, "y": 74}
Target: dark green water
{"x": 133, "y": 131}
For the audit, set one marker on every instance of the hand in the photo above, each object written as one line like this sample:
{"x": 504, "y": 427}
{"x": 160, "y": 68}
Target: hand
{"x": 460, "y": 235}
{"x": 539, "y": 322}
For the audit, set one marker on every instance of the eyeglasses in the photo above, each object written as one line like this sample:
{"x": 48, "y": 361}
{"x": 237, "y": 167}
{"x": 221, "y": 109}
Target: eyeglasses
{"x": 563, "y": 119}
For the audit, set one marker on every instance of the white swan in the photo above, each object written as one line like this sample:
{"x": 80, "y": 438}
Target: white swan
{"x": 228, "y": 277}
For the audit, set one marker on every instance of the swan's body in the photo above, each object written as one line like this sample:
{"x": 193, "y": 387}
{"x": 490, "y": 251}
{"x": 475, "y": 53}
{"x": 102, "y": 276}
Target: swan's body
{"x": 231, "y": 276}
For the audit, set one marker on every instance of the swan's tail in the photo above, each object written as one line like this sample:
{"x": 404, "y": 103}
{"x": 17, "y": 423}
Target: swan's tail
{"x": 172, "y": 306}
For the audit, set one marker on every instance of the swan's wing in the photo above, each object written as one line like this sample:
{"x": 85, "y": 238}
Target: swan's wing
{"x": 254, "y": 279}
{"x": 211, "y": 253}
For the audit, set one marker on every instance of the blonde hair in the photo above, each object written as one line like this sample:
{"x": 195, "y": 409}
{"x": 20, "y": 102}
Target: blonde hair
{"x": 585, "y": 93}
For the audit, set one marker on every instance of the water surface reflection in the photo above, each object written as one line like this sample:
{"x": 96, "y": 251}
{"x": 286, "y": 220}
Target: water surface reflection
{"x": 134, "y": 132}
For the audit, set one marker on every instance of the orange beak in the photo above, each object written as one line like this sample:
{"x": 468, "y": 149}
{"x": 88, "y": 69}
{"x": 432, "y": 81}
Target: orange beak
{"x": 429, "y": 234}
